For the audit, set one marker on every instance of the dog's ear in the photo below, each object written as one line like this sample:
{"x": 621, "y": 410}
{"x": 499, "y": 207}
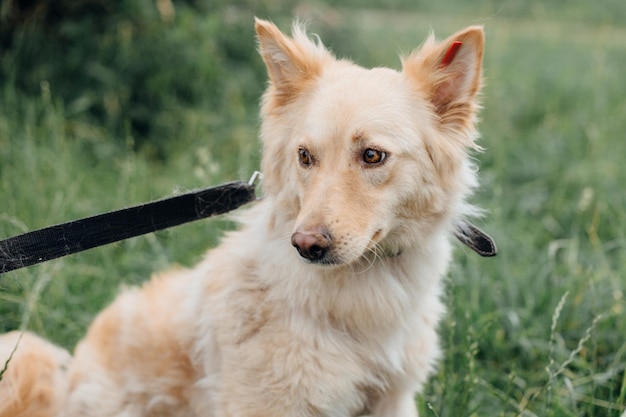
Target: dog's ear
{"x": 449, "y": 72}
{"x": 291, "y": 61}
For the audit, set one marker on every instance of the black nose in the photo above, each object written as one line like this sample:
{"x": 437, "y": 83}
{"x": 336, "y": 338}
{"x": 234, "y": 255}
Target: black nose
{"x": 311, "y": 245}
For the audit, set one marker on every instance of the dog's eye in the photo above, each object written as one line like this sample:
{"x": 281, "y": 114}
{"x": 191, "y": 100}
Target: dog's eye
{"x": 373, "y": 156}
{"x": 305, "y": 157}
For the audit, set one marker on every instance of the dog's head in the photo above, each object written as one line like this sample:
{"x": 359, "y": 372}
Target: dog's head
{"x": 364, "y": 162}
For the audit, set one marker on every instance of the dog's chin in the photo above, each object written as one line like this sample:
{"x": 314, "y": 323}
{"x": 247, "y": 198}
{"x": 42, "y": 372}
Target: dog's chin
{"x": 367, "y": 257}
{"x": 325, "y": 262}
{"x": 331, "y": 260}
{"x": 328, "y": 261}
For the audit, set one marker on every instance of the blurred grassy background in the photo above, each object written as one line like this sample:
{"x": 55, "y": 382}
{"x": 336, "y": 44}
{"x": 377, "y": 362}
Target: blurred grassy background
{"x": 105, "y": 105}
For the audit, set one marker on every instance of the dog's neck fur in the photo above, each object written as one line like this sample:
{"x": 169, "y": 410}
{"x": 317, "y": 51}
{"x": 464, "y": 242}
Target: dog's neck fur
{"x": 363, "y": 297}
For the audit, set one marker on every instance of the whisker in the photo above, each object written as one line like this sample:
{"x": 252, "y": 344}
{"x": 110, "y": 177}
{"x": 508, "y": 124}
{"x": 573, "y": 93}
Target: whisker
{"x": 369, "y": 258}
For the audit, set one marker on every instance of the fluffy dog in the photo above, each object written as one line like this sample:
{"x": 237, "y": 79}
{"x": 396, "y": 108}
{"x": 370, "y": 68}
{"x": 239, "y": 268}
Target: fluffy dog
{"x": 326, "y": 302}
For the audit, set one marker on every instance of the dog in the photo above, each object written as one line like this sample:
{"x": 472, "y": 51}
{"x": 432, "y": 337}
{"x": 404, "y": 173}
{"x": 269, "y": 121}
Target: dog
{"x": 326, "y": 301}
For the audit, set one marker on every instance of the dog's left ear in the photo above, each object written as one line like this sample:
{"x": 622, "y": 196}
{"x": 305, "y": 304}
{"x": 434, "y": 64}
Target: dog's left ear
{"x": 449, "y": 72}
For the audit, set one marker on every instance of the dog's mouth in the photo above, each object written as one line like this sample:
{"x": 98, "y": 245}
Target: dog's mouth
{"x": 377, "y": 236}
{"x": 381, "y": 247}
{"x": 320, "y": 248}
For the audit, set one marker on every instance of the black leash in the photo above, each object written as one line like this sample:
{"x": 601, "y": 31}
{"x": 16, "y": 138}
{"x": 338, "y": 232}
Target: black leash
{"x": 76, "y": 236}
{"x": 64, "y": 239}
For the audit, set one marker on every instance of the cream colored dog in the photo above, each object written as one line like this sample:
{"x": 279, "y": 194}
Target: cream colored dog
{"x": 327, "y": 301}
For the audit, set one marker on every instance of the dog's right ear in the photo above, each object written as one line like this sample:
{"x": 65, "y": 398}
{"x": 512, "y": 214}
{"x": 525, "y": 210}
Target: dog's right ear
{"x": 291, "y": 62}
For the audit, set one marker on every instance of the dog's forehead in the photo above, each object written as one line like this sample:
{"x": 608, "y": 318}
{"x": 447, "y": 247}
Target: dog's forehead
{"x": 350, "y": 99}
{"x": 354, "y": 83}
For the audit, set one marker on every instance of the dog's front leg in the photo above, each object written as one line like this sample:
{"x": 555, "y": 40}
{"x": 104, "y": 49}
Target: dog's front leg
{"x": 395, "y": 404}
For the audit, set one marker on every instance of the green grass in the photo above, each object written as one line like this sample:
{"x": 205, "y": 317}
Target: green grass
{"x": 537, "y": 331}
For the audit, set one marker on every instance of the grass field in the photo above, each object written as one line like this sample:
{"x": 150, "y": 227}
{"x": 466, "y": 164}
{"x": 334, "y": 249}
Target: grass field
{"x": 539, "y": 330}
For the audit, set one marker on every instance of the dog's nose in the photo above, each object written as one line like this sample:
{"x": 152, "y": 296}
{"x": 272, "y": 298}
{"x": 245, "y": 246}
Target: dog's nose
{"x": 311, "y": 245}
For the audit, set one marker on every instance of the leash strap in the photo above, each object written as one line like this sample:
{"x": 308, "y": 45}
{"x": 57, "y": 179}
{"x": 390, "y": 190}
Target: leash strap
{"x": 76, "y": 236}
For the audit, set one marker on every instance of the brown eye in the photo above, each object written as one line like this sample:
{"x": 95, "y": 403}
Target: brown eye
{"x": 373, "y": 156}
{"x": 305, "y": 157}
